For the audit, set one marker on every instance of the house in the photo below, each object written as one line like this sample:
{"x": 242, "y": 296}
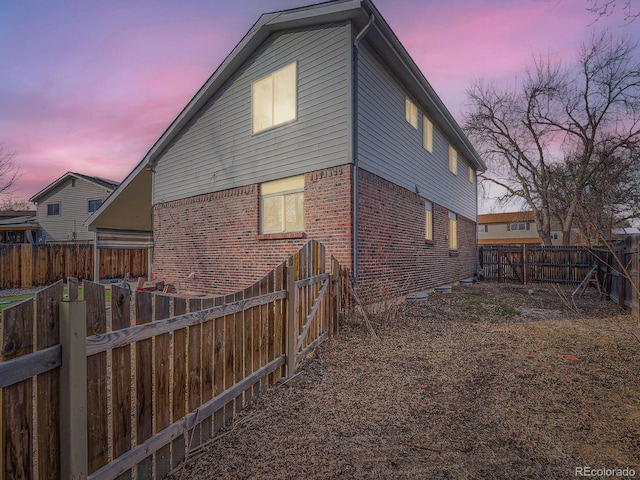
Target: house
{"x": 63, "y": 206}
{"x": 18, "y": 226}
{"x": 318, "y": 125}
{"x": 515, "y": 228}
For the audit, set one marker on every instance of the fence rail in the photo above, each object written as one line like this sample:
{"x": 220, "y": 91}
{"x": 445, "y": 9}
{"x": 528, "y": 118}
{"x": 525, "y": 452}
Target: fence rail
{"x": 23, "y": 265}
{"x": 94, "y": 392}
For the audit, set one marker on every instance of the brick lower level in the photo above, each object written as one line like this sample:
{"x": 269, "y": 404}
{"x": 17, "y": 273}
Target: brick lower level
{"x": 216, "y": 237}
{"x": 393, "y": 256}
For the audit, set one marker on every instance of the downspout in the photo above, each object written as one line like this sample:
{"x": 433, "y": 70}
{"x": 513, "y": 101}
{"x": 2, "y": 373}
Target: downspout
{"x": 354, "y": 112}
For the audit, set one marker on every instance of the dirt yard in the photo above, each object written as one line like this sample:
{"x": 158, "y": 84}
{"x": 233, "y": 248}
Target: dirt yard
{"x": 491, "y": 381}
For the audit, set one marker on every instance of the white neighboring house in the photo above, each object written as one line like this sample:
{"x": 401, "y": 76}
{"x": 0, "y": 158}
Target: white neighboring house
{"x": 63, "y": 206}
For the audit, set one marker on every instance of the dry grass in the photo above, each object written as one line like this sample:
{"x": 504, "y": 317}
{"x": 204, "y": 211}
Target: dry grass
{"x": 492, "y": 381}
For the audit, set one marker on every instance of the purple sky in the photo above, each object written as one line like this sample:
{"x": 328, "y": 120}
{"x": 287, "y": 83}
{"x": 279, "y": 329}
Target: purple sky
{"x": 89, "y": 85}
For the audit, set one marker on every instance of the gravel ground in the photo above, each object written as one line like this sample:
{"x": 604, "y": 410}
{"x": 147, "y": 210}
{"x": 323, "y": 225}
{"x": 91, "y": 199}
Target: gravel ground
{"x": 492, "y": 381}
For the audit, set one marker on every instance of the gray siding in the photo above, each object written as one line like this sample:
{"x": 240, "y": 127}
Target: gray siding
{"x": 74, "y": 210}
{"x": 392, "y": 149}
{"x": 217, "y": 149}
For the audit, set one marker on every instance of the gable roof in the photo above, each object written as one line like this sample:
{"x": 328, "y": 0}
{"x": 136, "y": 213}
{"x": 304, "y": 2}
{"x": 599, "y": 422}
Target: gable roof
{"x": 101, "y": 182}
{"x": 359, "y": 12}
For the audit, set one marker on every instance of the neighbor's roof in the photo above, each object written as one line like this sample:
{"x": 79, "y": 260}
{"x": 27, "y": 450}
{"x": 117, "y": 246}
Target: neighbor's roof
{"x": 27, "y": 222}
{"x": 506, "y": 217}
{"x": 359, "y": 12}
{"x": 102, "y": 182}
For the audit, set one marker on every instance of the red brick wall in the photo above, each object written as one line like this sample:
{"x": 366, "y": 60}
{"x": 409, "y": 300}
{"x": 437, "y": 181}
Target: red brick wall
{"x": 217, "y": 235}
{"x": 393, "y": 256}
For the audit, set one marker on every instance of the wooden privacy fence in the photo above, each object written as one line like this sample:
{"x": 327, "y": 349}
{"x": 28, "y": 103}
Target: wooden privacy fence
{"x": 24, "y": 265}
{"x": 617, "y": 266}
{"x": 88, "y": 390}
{"x": 535, "y": 263}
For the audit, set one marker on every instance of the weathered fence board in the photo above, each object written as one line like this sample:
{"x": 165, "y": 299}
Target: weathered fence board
{"x": 27, "y": 265}
{"x": 157, "y": 383}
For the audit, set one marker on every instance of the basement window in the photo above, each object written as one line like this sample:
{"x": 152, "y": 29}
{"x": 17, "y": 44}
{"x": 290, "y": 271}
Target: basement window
{"x": 282, "y": 205}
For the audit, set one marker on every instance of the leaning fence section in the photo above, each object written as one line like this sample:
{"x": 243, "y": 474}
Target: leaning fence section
{"x": 113, "y": 386}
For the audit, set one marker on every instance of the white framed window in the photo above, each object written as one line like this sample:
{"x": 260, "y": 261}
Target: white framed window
{"x": 428, "y": 221}
{"x": 427, "y": 134}
{"x": 282, "y": 205}
{"x": 94, "y": 205}
{"x": 53, "y": 209}
{"x": 411, "y": 113}
{"x": 453, "y": 231}
{"x": 274, "y": 99}
{"x": 453, "y": 160}
{"x": 517, "y": 226}
{"x": 555, "y": 236}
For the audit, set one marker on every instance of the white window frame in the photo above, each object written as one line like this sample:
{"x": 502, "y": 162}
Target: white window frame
{"x": 427, "y": 134}
{"x": 99, "y": 200}
{"x": 281, "y": 189}
{"x": 428, "y": 221}
{"x": 411, "y": 113}
{"x": 453, "y": 160}
{"x": 57, "y": 214}
{"x": 453, "y": 231}
{"x": 277, "y": 109}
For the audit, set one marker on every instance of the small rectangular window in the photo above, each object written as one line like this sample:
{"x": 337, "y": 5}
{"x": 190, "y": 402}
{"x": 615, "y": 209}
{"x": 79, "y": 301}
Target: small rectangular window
{"x": 428, "y": 221}
{"x": 453, "y": 231}
{"x": 274, "y": 99}
{"x": 94, "y": 205}
{"x": 411, "y": 113}
{"x": 282, "y": 205}
{"x": 427, "y": 134}
{"x": 453, "y": 160}
{"x": 53, "y": 209}
{"x": 471, "y": 175}
{"x": 517, "y": 226}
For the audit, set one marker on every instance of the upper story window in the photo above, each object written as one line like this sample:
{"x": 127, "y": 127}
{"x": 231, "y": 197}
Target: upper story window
{"x": 453, "y": 160}
{"x": 94, "y": 205}
{"x": 53, "y": 209}
{"x": 517, "y": 226}
{"x": 282, "y": 205}
{"x": 411, "y": 113}
{"x": 482, "y": 228}
{"x": 274, "y": 99}
{"x": 428, "y": 221}
{"x": 427, "y": 134}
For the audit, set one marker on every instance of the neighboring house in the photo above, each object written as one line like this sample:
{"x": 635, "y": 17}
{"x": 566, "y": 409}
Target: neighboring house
{"x": 18, "y": 226}
{"x": 513, "y": 228}
{"x": 317, "y": 125}
{"x": 63, "y": 206}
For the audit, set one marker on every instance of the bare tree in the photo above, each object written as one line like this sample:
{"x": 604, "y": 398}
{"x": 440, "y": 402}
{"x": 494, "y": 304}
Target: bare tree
{"x": 574, "y": 120}
{"x": 605, "y": 8}
{"x": 9, "y": 171}
{"x": 15, "y": 205}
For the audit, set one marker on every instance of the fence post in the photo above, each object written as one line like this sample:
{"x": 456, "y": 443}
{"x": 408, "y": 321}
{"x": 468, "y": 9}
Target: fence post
{"x": 73, "y": 391}
{"x": 525, "y": 265}
{"x": 291, "y": 320}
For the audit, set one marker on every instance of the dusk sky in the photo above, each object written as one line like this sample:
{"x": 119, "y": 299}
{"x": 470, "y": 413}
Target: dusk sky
{"x": 88, "y": 86}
